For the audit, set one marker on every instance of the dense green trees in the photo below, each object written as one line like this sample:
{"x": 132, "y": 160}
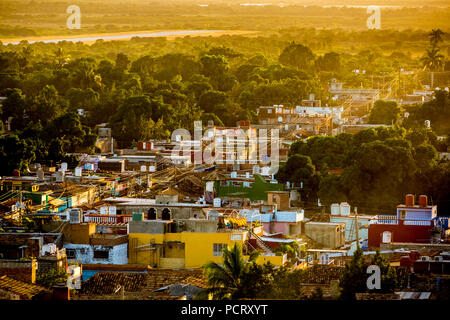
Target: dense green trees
{"x": 384, "y": 112}
{"x": 354, "y": 277}
{"x": 437, "y": 111}
{"x": 297, "y": 55}
{"x": 378, "y": 166}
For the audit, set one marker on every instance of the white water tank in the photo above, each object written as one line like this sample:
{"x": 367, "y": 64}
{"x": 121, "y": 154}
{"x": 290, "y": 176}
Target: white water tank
{"x": 64, "y": 166}
{"x": 104, "y": 210}
{"x": 151, "y": 168}
{"x": 335, "y": 209}
{"x": 40, "y": 174}
{"x": 59, "y": 176}
{"x": 143, "y": 168}
{"x": 78, "y": 171}
{"x": 345, "y": 209}
{"x": 234, "y": 174}
{"x": 217, "y": 202}
{"x": 112, "y": 210}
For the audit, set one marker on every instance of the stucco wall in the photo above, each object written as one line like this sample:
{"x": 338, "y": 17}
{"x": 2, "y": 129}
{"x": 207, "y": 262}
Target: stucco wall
{"x": 147, "y": 226}
{"x": 326, "y": 234}
{"x": 177, "y": 212}
{"x": 171, "y": 263}
{"x": 85, "y": 253}
{"x": 399, "y": 233}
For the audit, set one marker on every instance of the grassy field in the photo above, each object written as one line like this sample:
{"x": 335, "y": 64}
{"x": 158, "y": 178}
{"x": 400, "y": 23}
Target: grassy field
{"x": 131, "y": 34}
{"x": 35, "y": 18}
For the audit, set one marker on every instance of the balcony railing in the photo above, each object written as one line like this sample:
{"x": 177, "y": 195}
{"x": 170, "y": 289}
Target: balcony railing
{"x": 395, "y": 221}
{"x": 103, "y": 218}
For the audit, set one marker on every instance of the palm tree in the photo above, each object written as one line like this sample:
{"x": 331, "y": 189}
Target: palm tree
{"x": 433, "y": 60}
{"x": 60, "y": 58}
{"x": 436, "y": 36}
{"x": 225, "y": 279}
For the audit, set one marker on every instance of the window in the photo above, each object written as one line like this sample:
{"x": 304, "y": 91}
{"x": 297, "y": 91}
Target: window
{"x": 71, "y": 254}
{"x": 217, "y": 249}
{"x": 101, "y": 254}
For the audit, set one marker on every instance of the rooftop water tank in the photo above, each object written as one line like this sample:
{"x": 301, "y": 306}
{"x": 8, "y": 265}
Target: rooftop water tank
{"x": 40, "y": 174}
{"x": 60, "y": 176}
{"x": 112, "y": 210}
{"x": 78, "y": 171}
{"x": 423, "y": 201}
{"x": 345, "y": 209}
{"x": 409, "y": 201}
{"x": 217, "y": 202}
{"x": 335, "y": 209}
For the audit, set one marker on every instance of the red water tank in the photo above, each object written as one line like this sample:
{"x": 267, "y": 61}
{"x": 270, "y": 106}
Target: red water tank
{"x": 16, "y": 173}
{"x": 148, "y": 145}
{"x": 140, "y": 145}
{"x": 423, "y": 201}
{"x": 409, "y": 200}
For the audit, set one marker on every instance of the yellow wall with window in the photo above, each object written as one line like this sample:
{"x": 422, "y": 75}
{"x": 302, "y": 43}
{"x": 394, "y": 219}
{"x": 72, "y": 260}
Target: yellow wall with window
{"x": 198, "y": 246}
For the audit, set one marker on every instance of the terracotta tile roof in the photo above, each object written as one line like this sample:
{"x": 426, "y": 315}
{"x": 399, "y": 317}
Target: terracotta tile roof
{"x": 321, "y": 274}
{"x": 25, "y": 290}
{"x": 111, "y": 282}
{"x": 139, "y": 286}
{"x": 196, "y": 281}
{"x": 158, "y": 278}
{"x": 377, "y": 296}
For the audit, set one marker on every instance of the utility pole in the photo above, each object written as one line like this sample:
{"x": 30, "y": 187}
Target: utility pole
{"x": 432, "y": 80}
{"x": 20, "y": 205}
{"x": 357, "y": 227}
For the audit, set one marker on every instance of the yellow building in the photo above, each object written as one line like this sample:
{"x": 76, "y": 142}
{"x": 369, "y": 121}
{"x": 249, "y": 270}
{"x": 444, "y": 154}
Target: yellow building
{"x": 155, "y": 243}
